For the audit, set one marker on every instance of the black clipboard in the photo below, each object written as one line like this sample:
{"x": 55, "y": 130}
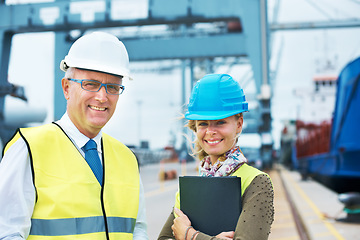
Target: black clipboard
{"x": 213, "y": 204}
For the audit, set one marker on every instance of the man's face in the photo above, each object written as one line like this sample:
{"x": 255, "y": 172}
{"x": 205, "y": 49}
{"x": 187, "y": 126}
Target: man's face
{"x": 90, "y": 111}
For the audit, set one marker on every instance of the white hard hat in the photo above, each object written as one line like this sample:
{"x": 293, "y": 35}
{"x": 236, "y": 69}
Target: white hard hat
{"x": 98, "y": 51}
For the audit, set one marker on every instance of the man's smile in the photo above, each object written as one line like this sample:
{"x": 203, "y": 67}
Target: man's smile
{"x": 97, "y": 108}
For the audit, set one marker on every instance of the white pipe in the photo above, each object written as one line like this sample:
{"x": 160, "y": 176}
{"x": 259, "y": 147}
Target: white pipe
{"x": 18, "y": 114}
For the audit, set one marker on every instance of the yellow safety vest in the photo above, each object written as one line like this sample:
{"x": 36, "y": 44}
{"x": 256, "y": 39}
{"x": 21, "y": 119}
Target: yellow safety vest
{"x": 247, "y": 174}
{"x": 70, "y": 203}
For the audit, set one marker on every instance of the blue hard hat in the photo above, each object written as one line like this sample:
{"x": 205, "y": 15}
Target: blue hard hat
{"x": 216, "y": 96}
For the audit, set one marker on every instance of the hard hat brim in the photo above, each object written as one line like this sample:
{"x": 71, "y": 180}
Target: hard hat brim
{"x": 210, "y": 115}
{"x": 122, "y": 73}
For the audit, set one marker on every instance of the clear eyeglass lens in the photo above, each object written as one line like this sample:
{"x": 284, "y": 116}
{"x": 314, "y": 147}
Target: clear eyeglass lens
{"x": 91, "y": 85}
{"x": 113, "y": 89}
{"x": 94, "y": 86}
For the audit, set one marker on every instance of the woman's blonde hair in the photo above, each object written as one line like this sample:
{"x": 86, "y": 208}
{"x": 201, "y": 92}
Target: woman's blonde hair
{"x": 197, "y": 150}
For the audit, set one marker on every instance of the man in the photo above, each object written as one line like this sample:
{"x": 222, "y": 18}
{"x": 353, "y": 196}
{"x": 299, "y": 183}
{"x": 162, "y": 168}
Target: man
{"x": 68, "y": 180}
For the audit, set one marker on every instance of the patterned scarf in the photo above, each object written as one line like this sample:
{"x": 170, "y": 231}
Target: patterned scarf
{"x": 225, "y": 165}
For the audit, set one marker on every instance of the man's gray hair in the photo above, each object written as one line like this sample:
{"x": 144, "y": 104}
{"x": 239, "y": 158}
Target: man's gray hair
{"x": 70, "y": 72}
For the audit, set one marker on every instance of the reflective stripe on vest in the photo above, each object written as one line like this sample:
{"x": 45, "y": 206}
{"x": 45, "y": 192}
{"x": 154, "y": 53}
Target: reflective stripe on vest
{"x": 73, "y": 226}
{"x": 70, "y": 200}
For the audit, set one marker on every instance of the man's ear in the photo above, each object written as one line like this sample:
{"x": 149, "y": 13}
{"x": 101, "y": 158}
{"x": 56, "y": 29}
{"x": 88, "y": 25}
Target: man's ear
{"x": 65, "y": 84}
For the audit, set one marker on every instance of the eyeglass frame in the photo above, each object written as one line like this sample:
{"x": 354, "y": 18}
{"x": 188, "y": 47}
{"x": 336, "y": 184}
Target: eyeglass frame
{"x": 122, "y": 87}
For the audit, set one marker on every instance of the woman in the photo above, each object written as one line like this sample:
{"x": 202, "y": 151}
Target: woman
{"x": 215, "y": 114}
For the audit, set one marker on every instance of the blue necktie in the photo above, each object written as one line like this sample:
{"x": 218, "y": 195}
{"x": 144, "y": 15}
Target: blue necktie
{"x": 92, "y": 158}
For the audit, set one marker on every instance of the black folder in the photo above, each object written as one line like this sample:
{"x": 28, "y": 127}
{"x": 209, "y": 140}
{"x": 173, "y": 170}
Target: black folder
{"x": 213, "y": 204}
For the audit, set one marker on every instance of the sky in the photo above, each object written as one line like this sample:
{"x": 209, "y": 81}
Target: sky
{"x": 150, "y": 107}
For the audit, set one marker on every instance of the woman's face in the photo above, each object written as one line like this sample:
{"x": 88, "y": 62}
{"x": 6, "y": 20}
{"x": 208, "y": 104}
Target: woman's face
{"x": 218, "y": 136}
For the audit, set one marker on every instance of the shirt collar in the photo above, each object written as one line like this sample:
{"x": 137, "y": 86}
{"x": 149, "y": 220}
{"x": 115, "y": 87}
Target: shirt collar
{"x": 75, "y": 135}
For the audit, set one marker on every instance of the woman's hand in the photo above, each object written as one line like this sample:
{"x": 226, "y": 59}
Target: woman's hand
{"x": 181, "y": 223}
{"x": 226, "y": 235}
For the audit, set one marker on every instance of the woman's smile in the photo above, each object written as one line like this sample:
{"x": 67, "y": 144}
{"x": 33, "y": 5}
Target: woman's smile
{"x": 213, "y": 142}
